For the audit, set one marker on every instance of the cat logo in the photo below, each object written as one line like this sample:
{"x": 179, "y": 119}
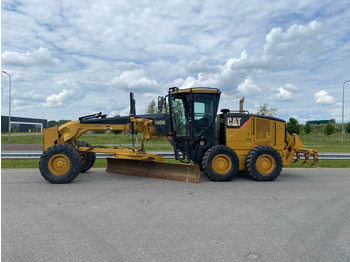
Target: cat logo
{"x": 234, "y": 121}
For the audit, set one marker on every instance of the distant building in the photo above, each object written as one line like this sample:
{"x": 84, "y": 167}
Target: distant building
{"x": 23, "y": 124}
{"x": 321, "y": 122}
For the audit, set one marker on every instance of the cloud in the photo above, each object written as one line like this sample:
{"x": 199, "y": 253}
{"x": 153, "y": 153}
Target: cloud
{"x": 57, "y": 100}
{"x": 282, "y": 49}
{"x": 71, "y": 92}
{"x": 286, "y": 47}
{"x": 219, "y": 76}
{"x": 283, "y": 94}
{"x": 102, "y": 50}
{"x": 248, "y": 88}
{"x": 323, "y": 98}
{"x": 290, "y": 87}
{"x": 200, "y": 66}
{"x": 40, "y": 57}
{"x": 134, "y": 80}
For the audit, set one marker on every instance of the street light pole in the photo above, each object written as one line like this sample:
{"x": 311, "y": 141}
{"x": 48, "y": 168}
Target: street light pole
{"x": 342, "y": 116}
{"x": 9, "y": 105}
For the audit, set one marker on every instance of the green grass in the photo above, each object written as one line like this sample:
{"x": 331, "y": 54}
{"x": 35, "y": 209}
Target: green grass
{"x": 30, "y": 138}
{"x": 322, "y": 164}
{"x": 34, "y": 163}
{"x": 102, "y": 163}
{"x": 332, "y": 143}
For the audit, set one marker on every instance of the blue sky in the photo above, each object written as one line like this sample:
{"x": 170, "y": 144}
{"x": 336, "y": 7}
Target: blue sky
{"x": 72, "y": 58}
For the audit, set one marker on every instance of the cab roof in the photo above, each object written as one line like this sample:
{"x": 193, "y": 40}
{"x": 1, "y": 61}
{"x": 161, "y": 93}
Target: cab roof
{"x": 176, "y": 90}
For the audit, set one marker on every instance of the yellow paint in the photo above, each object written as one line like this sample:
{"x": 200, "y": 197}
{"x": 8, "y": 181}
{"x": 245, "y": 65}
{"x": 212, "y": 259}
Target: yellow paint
{"x": 265, "y": 164}
{"x": 221, "y": 164}
{"x": 59, "y": 164}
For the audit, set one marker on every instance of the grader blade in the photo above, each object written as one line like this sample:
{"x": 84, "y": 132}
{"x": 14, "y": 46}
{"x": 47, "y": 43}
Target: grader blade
{"x": 170, "y": 171}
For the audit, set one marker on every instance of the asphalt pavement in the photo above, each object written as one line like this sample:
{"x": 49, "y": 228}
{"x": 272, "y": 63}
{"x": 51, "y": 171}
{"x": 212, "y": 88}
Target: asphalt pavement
{"x": 302, "y": 216}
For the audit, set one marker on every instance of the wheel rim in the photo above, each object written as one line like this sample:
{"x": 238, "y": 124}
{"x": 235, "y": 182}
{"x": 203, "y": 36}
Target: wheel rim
{"x": 222, "y": 164}
{"x": 265, "y": 164}
{"x": 59, "y": 164}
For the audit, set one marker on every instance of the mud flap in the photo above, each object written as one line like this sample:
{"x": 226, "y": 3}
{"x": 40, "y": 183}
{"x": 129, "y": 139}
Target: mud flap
{"x": 170, "y": 171}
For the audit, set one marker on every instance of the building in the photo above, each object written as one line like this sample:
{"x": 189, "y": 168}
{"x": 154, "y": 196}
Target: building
{"x": 23, "y": 124}
{"x": 321, "y": 122}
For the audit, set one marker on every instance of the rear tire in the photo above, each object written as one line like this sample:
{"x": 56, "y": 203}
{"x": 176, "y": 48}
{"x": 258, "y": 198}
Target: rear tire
{"x": 220, "y": 163}
{"x": 60, "y": 164}
{"x": 87, "y": 158}
{"x": 263, "y": 163}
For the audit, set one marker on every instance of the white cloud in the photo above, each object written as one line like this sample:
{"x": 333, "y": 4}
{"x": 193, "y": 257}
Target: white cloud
{"x": 283, "y": 94}
{"x": 40, "y": 57}
{"x": 223, "y": 77}
{"x": 248, "y": 88}
{"x": 323, "y": 98}
{"x": 134, "y": 80}
{"x": 282, "y": 49}
{"x": 200, "y": 66}
{"x": 290, "y": 87}
{"x": 57, "y": 100}
{"x": 286, "y": 47}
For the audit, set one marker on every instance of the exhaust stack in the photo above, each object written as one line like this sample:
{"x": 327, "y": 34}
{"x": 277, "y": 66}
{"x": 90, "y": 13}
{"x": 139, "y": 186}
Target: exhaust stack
{"x": 241, "y": 105}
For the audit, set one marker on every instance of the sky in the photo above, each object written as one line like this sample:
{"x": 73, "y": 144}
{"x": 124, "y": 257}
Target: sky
{"x": 69, "y": 58}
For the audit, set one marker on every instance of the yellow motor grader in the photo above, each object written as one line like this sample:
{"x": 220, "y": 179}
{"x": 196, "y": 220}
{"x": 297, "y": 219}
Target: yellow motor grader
{"x": 221, "y": 144}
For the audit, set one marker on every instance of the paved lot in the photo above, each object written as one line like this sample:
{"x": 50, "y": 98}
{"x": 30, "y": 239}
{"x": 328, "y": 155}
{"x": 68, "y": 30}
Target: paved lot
{"x": 303, "y": 216}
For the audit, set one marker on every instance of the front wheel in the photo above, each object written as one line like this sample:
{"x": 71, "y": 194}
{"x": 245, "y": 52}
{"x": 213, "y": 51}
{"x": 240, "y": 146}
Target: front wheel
{"x": 263, "y": 163}
{"x": 60, "y": 164}
{"x": 220, "y": 163}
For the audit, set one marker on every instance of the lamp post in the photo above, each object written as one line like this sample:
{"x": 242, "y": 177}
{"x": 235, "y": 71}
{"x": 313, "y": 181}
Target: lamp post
{"x": 342, "y": 115}
{"x": 9, "y": 105}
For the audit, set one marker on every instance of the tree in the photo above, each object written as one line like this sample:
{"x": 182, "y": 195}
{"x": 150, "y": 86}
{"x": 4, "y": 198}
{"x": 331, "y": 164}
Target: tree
{"x": 52, "y": 123}
{"x": 329, "y": 129}
{"x": 151, "y": 108}
{"x": 265, "y": 111}
{"x": 347, "y": 128}
{"x": 63, "y": 121}
{"x": 307, "y": 128}
{"x": 293, "y": 126}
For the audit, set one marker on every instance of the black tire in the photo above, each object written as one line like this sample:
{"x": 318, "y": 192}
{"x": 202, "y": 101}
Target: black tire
{"x": 60, "y": 164}
{"x": 220, "y": 163}
{"x": 264, "y": 163}
{"x": 87, "y": 158}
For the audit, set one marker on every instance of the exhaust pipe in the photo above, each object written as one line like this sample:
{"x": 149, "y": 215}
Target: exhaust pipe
{"x": 241, "y": 105}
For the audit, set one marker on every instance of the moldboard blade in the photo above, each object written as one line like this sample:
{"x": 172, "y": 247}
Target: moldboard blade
{"x": 170, "y": 171}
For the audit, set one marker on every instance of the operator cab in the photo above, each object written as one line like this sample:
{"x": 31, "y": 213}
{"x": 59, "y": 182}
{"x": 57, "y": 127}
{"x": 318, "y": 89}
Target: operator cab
{"x": 193, "y": 115}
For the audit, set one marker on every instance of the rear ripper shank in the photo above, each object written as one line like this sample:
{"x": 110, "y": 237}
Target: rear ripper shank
{"x": 219, "y": 144}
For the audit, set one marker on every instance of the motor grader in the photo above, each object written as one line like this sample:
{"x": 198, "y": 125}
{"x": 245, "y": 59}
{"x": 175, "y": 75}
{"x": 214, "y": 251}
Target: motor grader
{"x": 221, "y": 144}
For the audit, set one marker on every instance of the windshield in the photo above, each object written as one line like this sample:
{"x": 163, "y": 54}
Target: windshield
{"x": 179, "y": 116}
